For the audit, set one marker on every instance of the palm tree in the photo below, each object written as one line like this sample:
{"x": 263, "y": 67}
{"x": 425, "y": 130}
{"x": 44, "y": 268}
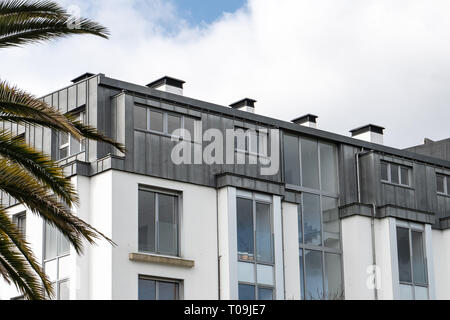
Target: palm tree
{"x": 29, "y": 176}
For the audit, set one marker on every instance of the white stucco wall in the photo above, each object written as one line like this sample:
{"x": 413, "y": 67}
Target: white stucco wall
{"x": 291, "y": 251}
{"x": 441, "y": 262}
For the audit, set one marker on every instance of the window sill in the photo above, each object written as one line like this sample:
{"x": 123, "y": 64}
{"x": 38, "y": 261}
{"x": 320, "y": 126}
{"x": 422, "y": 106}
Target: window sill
{"x": 397, "y": 185}
{"x": 152, "y": 258}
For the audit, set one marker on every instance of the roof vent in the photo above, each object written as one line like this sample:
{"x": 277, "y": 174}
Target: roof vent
{"x": 168, "y": 84}
{"x": 246, "y": 104}
{"x": 370, "y": 133}
{"x": 308, "y": 120}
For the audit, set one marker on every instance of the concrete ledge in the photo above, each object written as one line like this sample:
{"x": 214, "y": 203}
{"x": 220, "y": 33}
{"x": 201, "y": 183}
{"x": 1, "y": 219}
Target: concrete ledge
{"x": 150, "y": 258}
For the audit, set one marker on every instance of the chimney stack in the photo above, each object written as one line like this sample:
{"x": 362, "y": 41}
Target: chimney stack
{"x": 246, "y": 104}
{"x": 370, "y": 133}
{"x": 308, "y": 120}
{"x": 168, "y": 84}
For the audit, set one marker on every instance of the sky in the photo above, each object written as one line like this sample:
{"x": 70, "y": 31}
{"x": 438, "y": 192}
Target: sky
{"x": 351, "y": 62}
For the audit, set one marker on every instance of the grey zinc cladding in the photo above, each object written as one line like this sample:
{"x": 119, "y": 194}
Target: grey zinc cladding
{"x": 109, "y": 105}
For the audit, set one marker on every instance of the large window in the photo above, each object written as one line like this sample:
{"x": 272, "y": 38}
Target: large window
{"x": 156, "y": 120}
{"x": 68, "y": 145}
{"x": 319, "y": 248}
{"x": 57, "y": 261}
{"x": 395, "y": 173}
{"x": 157, "y": 289}
{"x": 412, "y": 268}
{"x": 256, "y": 271}
{"x": 310, "y": 164}
{"x": 443, "y": 184}
{"x": 158, "y": 222}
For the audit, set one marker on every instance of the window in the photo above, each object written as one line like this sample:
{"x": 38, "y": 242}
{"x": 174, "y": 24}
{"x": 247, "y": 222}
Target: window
{"x": 396, "y": 174}
{"x": 412, "y": 267}
{"x": 57, "y": 261}
{"x": 150, "y": 119}
{"x": 155, "y": 289}
{"x": 256, "y": 270}
{"x": 68, "y": 145}
{"x": 158, "y": 222}
{"x": 251, "y": 141}
{"x": 443, "y": 184}
{"x": 20, "y": 220}
{"x": 319, "y": 247}
{"x": 310, "y": 164}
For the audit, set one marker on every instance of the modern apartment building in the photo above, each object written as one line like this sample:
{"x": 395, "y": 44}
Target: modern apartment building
{"x": 282, "y": 211}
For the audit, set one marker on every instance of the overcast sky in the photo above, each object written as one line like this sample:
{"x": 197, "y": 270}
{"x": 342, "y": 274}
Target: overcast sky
{"x": 351, "y": 62}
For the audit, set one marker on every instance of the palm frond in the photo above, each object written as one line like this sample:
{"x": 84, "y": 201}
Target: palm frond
{"x": 24, "y": 22}
{"x": 25, "y": 189}
{"x": 10, "y": 230}
{"x": 17, "y": 270}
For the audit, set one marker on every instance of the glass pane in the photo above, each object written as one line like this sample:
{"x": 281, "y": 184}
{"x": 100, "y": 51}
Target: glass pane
{"x": 146, "y": 221}
{"x": 156, "y": 121}
{"x": 384, "y": 171}
{"x": 173, "y": 123}
{"x": 328, "y": 168}
{"x": 140, "y": 118}
{"x": 246, "y": 272}
{"x": 331, "y": 223}
{"x": 74, "y": 146}
{"x": 265, "y": 294}
{"x": 310, "y": 163}
{"x": 167, "y": 232}
{"x": 64, "y": 290}
{"x": 291, "y": 160}
{"x": 63, "y": 139}
{"x": 167, "y": 291}
{"x": 314, "y": 276}
{"x": 245, "y": 229}
{"x": 406, "y": 292}
{"x": 300, "y": 224}
{"x": 63, "y": 153}
{"x": 189, "y": 125}
{"x": 265, "y": 274}
{"x": 246, "y": 292}
{"x": 50, "y": 242}
{"x": 420, "y": 293}
{"x": 147, "y": 289}
{"x": 302, "y": 281}
{"x": 311, "y": 219}
{"x": 64, "y": 267}
{"x": 394, "y": 173}
{"x": 404, "y": 175}
{"x": 448, "y": 185}
{"x": 51, "y": 270}
{"x": 264, "y": 247}
{"x": 333, "y": 277}
{"x": 63, "y": 244}
{"x": 418, "y": 258}
{"x": 440, "y": 183}
{"x": 404, "y": 260}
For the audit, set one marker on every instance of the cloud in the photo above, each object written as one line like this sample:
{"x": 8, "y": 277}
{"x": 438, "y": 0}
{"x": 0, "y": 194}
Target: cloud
{"x": 351, "y": 62}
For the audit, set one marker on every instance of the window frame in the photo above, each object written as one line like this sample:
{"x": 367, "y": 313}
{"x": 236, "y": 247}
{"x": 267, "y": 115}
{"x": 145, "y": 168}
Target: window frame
{"x": 412, "y": 227}
{"x": 80, "y": 114}
{"x": 18, "y": 218}
{"x": 178, "y": 286}
{"x": 255, "y": 198}
{"x": 446, "y": 182}
{"x": 261, "y": 133}
{"x": 399, "y": 172}
{"x": 57, "y": 258}
{"x": 165, "y": 116}
{"x": 178, "y": 199}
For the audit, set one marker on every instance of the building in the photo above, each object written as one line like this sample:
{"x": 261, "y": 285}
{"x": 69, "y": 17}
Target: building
{"x": 340, "y": 217}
